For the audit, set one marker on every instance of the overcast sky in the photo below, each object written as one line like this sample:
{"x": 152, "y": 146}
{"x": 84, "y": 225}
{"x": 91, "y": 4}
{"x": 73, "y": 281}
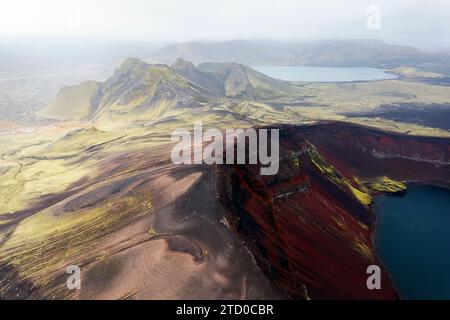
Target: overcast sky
{"x": 403, "y": 21}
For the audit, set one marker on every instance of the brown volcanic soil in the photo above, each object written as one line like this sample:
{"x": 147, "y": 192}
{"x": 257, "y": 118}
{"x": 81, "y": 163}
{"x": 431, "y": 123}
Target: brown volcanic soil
{"x": 161, "y": 238}
{"x": 190, "y": 255}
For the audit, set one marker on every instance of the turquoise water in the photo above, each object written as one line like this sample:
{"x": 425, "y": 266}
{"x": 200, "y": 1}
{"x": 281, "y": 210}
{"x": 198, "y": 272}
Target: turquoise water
{"x": 413, "y": 241}
{"x": 323, "y": 74}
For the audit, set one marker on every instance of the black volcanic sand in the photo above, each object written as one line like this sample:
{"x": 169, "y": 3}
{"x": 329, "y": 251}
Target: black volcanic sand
{"x": 444, "y": 81}
{"x": 430, "y": 115}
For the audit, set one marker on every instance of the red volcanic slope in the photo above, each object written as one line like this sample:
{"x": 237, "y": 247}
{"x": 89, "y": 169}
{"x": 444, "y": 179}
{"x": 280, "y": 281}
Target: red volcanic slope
{"x": 307, "y": 230}
{"x": 370, "y": 153}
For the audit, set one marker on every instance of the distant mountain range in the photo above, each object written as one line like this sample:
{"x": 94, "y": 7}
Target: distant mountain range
{"x": 39, "y": 56}
{"x": 137, "y": 89}
{"x": 141, "y": 91}
{"x": 330, "y": 53}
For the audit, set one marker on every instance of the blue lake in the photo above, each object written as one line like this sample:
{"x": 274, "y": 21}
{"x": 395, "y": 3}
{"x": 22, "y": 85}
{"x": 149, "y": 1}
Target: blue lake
{"x": 413, "y": 241}
{"x": 324, "y": 74}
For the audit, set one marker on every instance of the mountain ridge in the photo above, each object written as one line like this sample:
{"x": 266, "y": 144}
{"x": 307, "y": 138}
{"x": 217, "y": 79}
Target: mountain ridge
{"x": 327, "y": 53}
{"x": 144, "y": 90}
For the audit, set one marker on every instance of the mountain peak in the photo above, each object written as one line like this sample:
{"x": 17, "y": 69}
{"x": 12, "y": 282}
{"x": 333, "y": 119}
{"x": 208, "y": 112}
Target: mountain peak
{"x": 133, "y": 68}
{"x": 132, "y": 62}
{"x": 182, "y": 64}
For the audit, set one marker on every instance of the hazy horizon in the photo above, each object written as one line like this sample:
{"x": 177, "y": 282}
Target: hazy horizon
{"x": 418, "y": 23}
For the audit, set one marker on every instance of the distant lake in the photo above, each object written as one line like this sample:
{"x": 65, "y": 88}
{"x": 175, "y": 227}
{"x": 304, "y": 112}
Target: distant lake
{"x": 413, "y": 241}
{"x": 323, "y": 74}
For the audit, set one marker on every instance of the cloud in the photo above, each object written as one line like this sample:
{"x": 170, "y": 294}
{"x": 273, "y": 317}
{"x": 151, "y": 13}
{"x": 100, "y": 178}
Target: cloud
{"x": 176, "y": 20}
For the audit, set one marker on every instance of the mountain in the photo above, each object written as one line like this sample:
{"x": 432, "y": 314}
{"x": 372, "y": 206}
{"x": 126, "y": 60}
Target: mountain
{"x": 332, "y": 53}
{"x": 239, "y": 51}
{"x": 76, "y": 101}
{"x": 135, "y": 89}
{"x": 138, "y": 90}
{"x": 211, "y": 82}
{"x": 233, "y": 80}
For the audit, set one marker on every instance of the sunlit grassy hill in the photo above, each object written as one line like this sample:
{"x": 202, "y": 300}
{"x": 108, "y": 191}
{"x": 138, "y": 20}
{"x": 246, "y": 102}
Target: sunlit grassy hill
{"x": 140, "y": 92}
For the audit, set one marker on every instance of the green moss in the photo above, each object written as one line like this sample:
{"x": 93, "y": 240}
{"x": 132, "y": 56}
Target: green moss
{"x": 362, "y": 197}
{"x": 152, "y": 232}
{"x": 385, "y": 184}
{"x": 295, "y": 160}
{"x": 334, "y": 175}
{"x": 46, "y": 242}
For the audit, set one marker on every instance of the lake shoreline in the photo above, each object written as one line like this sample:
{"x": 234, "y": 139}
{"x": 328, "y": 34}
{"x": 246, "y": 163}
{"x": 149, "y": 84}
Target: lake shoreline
{"x": 314, "y": 74}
